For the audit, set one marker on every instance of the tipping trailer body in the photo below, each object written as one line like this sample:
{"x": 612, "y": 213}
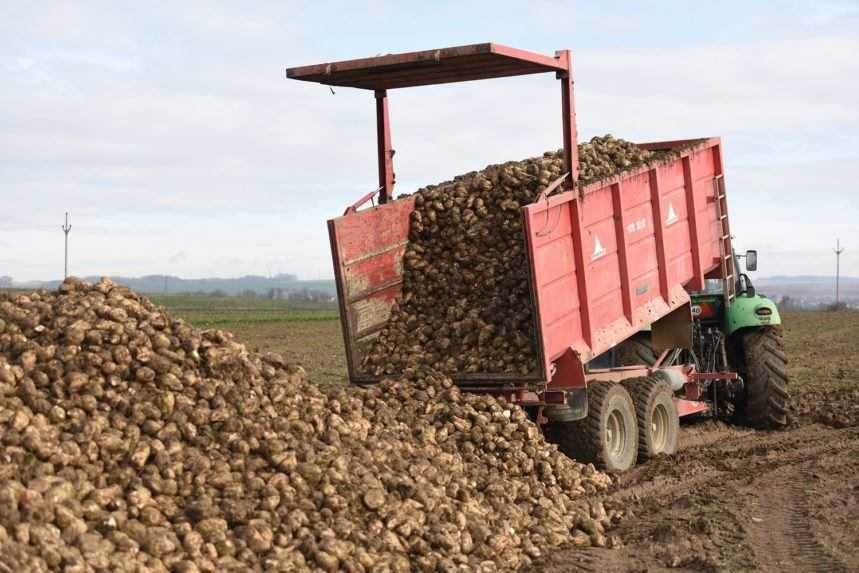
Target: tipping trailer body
{"x": 606, "y": 262}
{"x": 607, "y": 259}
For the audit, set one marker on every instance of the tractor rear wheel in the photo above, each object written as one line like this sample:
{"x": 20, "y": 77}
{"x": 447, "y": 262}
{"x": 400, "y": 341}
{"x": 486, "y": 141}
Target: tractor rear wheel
{"x": 608, "y": 436}
{"x": 762, "y": 365}
{"x": 635, "y": 351}
{"x": 658, "y": 422}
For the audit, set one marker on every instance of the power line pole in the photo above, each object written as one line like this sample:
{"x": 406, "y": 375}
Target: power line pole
{"x": 66, "y": 228}
{"x": 838, "y": 250}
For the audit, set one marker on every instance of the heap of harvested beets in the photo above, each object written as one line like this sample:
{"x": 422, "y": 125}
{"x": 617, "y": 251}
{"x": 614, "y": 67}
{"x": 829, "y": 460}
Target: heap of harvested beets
{"x": 130, "y": 441}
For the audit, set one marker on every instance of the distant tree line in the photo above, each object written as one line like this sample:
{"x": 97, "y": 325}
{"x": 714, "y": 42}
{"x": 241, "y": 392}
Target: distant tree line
{"x": 249, "y": 285}
{"x": 788, "y": 304}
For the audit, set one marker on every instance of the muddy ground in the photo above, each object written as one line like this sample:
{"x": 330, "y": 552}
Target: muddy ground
{"x": 741, "y": 500}
{"x": 735, "y": 499}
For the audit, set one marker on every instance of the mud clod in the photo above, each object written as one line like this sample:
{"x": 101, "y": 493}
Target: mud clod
{"x": 838, "y": 408}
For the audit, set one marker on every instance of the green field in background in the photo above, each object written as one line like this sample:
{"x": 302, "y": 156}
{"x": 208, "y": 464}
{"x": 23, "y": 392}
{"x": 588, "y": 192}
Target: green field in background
{"x": 224, "y": 311}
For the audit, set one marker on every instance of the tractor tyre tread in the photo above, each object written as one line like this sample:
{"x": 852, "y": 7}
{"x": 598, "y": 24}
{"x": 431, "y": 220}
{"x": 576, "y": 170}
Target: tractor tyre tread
{"x": 765, "y": 375}
{"x": 636, "y": 351}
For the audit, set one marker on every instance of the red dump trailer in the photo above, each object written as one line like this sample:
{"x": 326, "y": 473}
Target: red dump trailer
{"x": 607, "y": 259}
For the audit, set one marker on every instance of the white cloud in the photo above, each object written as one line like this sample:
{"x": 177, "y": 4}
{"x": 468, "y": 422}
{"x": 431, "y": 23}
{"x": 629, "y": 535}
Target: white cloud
{"x": 794, "y": 213}
{"x": 178, "y": 257}
{"x": 177, "y": 133}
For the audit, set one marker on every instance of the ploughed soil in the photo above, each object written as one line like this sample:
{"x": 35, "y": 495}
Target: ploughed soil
{"x": 735, "y": 499}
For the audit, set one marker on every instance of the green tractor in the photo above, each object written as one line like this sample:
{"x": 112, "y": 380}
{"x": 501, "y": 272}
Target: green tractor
{"x": 734, "y": 329}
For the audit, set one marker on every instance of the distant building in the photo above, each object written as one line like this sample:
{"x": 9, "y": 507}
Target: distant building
{"x": 308, "y": 294}
{"x": 278, "y": 294}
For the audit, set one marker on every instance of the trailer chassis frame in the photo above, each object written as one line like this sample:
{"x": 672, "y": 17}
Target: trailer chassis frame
{"x": 689, "y": 401}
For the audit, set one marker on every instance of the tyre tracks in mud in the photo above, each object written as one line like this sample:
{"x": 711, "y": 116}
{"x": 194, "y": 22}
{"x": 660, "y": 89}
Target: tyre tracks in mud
{"x": 807, "y": 550}
{"x": 782, "y": 529}
{"x": 730, "y": 500}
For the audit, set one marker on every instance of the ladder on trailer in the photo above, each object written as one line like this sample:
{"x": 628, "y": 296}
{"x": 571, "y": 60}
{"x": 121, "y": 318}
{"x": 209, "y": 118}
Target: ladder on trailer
{"x": 726, "y": 250}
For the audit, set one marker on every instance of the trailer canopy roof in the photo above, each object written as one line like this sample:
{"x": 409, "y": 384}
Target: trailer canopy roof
{"x": 458, "y": 64}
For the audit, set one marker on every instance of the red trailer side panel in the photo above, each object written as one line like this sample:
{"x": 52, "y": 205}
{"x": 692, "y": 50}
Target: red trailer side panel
{"x": 603, "y": 265}
{"x": 613, "y": 260}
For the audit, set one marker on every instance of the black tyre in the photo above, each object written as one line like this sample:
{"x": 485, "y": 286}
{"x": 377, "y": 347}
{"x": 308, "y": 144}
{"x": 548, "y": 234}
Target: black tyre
{"x": 656, "y": 412}
{"x": 763, "y": 366}
{"x": 608, "y": 436}
{"x": 636, "y": 351}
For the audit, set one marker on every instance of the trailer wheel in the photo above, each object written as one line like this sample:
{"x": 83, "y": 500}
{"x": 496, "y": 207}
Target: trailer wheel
{"x": 636, "y": 350}
{"x": 608, "y": 436}
{"x": 656, "y": 411}
{"x": 763, "y": 366}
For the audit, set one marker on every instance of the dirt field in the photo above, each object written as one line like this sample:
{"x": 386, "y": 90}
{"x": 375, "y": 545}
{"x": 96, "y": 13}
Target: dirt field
{"x": 740, "y": 500}
{"x": 733, "y": 499}
{"x": 303, "y": 332}
{"x": 317, "y": 345}
{"x": 737, "y": 500}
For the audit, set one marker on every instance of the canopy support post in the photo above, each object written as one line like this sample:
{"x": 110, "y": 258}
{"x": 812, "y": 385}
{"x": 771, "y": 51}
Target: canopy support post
{"x": 568, "y": 111}
{"x": 385, "y": 152}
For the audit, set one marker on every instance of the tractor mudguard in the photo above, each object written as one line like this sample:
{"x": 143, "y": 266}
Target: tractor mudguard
{"x": 750, "y": 311}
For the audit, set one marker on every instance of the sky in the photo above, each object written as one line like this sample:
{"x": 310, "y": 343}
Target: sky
{"x": 171, "y": 134}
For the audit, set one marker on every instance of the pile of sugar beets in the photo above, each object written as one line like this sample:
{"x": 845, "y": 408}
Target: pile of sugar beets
{"x": 130, "y": 441}
{"x": 466, "y": 305}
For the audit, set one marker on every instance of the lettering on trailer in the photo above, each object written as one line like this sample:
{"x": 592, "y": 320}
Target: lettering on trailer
{"x": 636, "y": 226}
{"x": 599, "y": 250}
{"x": 672, "y": 215}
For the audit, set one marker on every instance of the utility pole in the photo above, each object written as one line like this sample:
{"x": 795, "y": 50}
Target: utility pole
{"x": 66, "y": 228}
{"x": 838, "y": 250}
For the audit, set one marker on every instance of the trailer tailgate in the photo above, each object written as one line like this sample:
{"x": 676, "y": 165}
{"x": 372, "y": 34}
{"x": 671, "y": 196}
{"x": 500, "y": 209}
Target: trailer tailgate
{"x": 367, "y": 248}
